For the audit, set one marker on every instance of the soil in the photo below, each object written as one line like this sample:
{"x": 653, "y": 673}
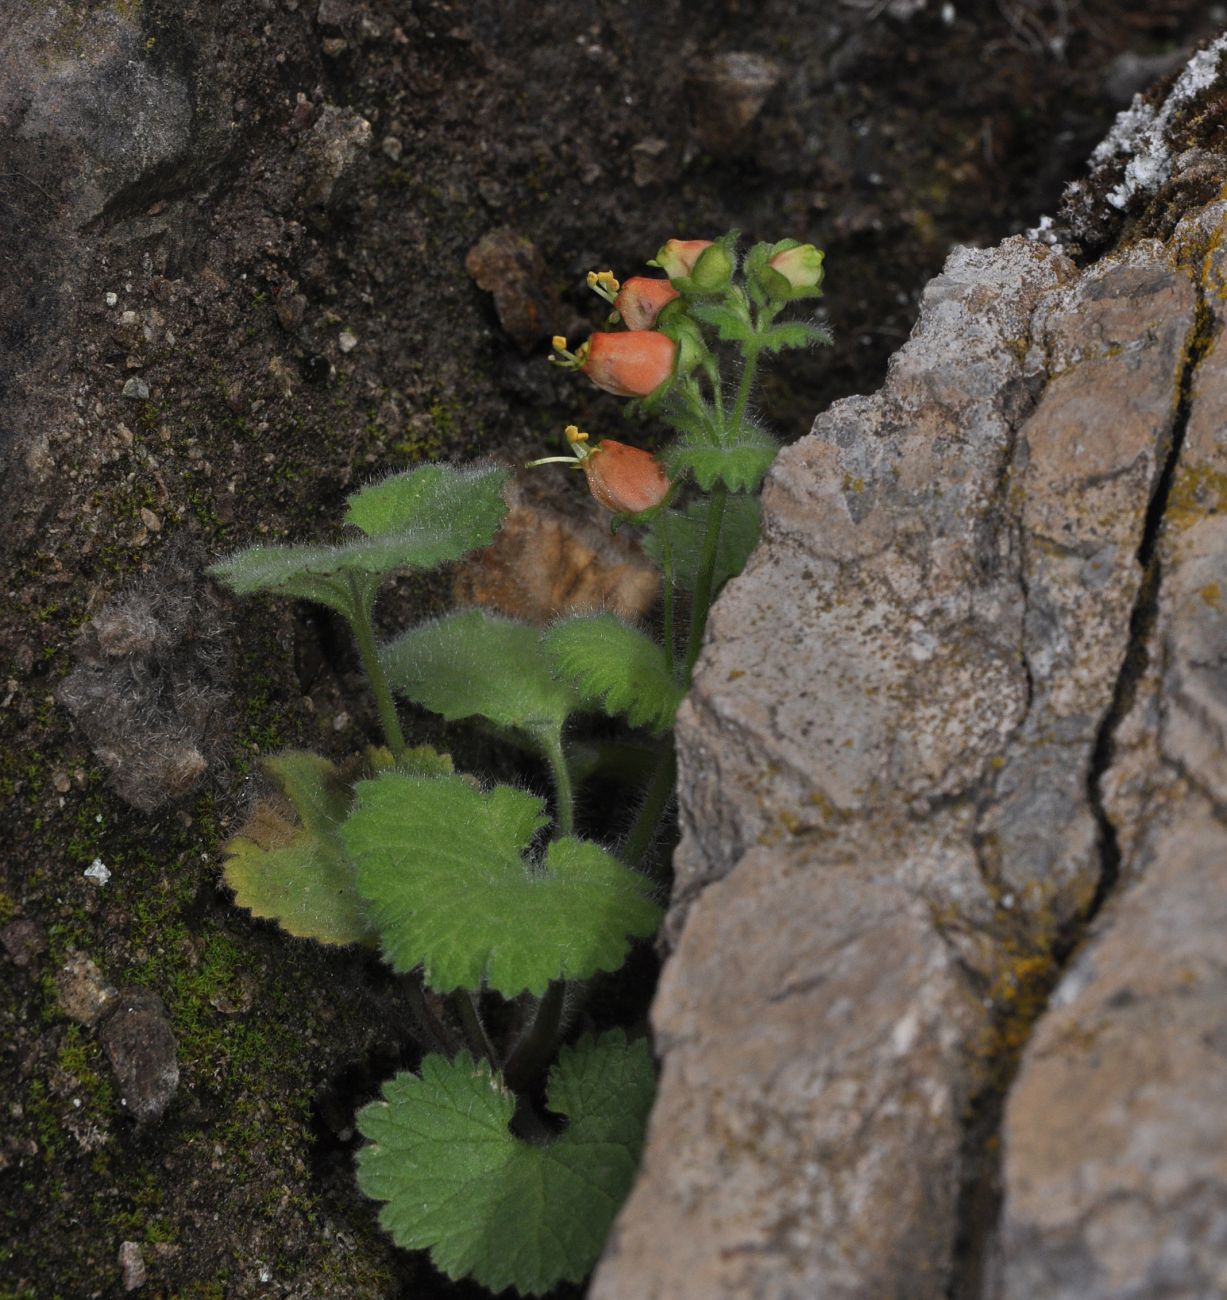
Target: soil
{"x": 291, "y": 246}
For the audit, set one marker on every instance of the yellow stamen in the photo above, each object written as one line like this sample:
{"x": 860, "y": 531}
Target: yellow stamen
{"x": 609, "y": 280}
{"x": 559, "y": 341}
{"x": 574, "y": 435}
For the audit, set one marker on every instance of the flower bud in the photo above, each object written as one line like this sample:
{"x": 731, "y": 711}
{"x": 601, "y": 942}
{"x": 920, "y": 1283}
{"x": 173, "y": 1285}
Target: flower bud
{"x": 632, "y": 364}
{"x": 678, "y": 256}
{"x": 625, "y": 479}
{"x": 640, "y": 301}
{"x": 800, "y": 266}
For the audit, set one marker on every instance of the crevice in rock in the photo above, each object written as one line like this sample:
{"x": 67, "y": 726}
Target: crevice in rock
{"x": 981, "y": 1194}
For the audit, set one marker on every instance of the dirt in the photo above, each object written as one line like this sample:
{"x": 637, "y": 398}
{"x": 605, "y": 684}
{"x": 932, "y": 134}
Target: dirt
{"x": 293, "y": 255}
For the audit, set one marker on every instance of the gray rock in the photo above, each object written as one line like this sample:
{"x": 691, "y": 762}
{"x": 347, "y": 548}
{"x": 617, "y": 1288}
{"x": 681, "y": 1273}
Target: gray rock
{"x": 141, "y": 1048}
{"x": 966, "y": 698}
{"x": 334, "y": 144}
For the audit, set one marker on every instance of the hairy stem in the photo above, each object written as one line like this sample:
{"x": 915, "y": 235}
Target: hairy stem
{"x": 364, "y": 636}
{"x": 532, "y": 1053}
{"x": 435, "y": 1031}
{"x": 655, "y": 802}
{"x": 707, "y": 571}
{"x": 564, "y": 797}
{"x": 465, "y": 1005}
{"x": 666, "y": 569}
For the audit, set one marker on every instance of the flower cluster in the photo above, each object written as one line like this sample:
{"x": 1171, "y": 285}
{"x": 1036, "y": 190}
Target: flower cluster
{"x": 660, "y": 344}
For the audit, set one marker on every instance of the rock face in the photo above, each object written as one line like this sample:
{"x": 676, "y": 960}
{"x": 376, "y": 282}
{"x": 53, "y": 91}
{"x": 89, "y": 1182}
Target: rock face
{"x": 952, "y": 808}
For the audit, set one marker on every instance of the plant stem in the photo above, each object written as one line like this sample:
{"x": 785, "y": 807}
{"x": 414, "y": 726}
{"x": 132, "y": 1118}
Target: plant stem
{"x": 707, "y": 571}
{"x": 743, "y": 390}
{"x": 563, "y": 795}
{"x": 666, "y": 569}
{"x": 533, "y": 1051}
{"x": 474, "y": 1030}
{"x": 364, "y": 636}
{"x": 432, "y": 1027}
{"x": 651, "y": 810}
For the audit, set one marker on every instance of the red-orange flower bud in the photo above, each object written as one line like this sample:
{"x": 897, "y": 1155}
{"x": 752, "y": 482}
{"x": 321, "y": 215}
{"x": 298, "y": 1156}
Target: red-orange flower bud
{"x": 633, "y": 364}
{"x": 677, "y": 257}
{"x": 624, "y": 479}
{"x": 641, "y": 299}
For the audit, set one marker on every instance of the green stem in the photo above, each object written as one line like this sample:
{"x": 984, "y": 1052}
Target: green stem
{"x": 364, "y": 635}
{"x": 647, "y": 819}
{"x": 563, "y": 795}
{"x": 666, "y": 569}
{"x": 532, "y": 1053}
{"x": 466, "y": 1007}
{"x": 707, "y": 570}
{"x": 743, "y": 390}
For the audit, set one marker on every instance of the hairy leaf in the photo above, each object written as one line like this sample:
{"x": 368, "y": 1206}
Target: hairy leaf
{"x": 476, "y": 663}
{"x": 740, "y": 464}
{"x": 341, "y": 577}
{"x": 794, "y": 334}
{"x": 731, "y": 325}
{"x": 487, "y": 1204}
{"x": 617, "y": 667}
{"x": 297, "y": 873}
{"x": 448, "y": 511}
{"x": 441, "y": 867}
{"x": 685, "y": 533}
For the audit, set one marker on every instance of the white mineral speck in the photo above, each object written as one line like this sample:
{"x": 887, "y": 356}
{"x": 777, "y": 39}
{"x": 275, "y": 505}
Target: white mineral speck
{"x": 348, "y": 340}
{"x": 98, "y": 871}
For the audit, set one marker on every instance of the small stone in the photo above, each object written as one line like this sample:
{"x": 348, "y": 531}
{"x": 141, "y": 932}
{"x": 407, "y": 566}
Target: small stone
{"x": 97, "y": 871}
{"x": 111, "y": 299}
{"x": 334, "y": 45}
{"x": 392, "y": 147}
{"x": 290, "y": 306}
{"x": 510, "y": 267}
{"x": 137, "y": 389}
{"x": 141, "y": 1048}
{"x": 331, "y": 148}
{"x": 150, "y": 520}
{"x": 22, "y": 940}
{"x": 727, "y": 92}
{"x": 348, "y": 341}
{"x": 131, "y": 1265}
{"x": 652, "y": 161}
{"x": 82, "y": 992}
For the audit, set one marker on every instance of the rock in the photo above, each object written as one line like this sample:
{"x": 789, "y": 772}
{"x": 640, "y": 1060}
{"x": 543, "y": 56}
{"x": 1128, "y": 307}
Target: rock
{"x": 137, "y": 389}
{"x": 726, "y": 93}
{"x": 553, "y": 556}
{"x": 23, "y": 940}
{"x": 81, "y": 991}
{"x": 510, "y": 267}
{"x": 329, "y": 152}
{"x": 653, "y": 161}
{"x": 149, "y": 689}
{"x": 964, "y": 709}
{"x": 141, "y": 1048}
{"x": 131, "y": 1265}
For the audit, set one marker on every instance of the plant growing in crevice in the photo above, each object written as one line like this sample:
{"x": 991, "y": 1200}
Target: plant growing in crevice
{"x": 473, "y": 892}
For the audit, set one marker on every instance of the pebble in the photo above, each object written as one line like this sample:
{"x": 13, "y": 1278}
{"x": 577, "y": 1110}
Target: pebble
{"x": 348, "y": 340}
{"x": 98, "y": 871}
{"x": 137, "y": 389}
{"x": 144, "y": 1056}
{"x": 112, "y": 299}
{"x": 131, "y": 1265}
{"x": 82, "y": 992}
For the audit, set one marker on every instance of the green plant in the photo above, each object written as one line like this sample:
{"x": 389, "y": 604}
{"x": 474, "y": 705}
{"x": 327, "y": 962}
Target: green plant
{"x": 474, "y": 892}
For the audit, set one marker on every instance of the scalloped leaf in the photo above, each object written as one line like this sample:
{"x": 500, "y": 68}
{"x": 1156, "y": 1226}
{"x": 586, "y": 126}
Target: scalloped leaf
{"x": 447, "y": 510}
{"x": 794, "y": 334}
{"x": 478, "y": 663}
{"x": 487, "y": 1204}
{"x": 431, "y": 515}
{"x": 297, "y": 873}
{"x": 739, "y": 531}
{"x": 441, "y": 868}
{"x": 616, "y": 667}
{"x": 731, "y": 325}
{"x": 739, "y": 463}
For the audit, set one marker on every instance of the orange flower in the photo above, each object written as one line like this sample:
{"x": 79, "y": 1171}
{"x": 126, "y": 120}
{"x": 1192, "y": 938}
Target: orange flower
{"x": 633, "y": 364}
{"x": 641, "y": 299}
{"x": 624, "y": 479}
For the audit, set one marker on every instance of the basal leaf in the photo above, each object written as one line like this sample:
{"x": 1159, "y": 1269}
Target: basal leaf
{"x": 297, "y": 873}
{"x": 487, "y": 1204}
{"x": 740, "y": 463}
{"x": 477, "y": 663}
{"x": 439, "y": 512}
{"x": 616, "y": 667}
{"x": 441, "y": 867}
{"x": 685, "y": 532}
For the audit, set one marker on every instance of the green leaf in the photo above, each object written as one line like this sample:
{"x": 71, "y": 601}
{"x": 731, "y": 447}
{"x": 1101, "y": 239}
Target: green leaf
{"x": 685, "y": 532}
{"x": 417, "y": 520}
{"x": 739, "y": 464}
{"x": 441, "y": 867}
{"x": 729, "y": 324}
{"x": 445, "y": 510}
{"x": 476, "y": 663}
{"x": 487, "y": 1204}
{"x": 617, "y": 667}
{"x": 794, "y": 334}
{"x": 298, "y": 874}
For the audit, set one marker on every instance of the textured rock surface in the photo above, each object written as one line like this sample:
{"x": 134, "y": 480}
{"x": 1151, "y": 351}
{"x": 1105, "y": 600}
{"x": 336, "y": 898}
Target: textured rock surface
{"x": 965, "y": 704}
